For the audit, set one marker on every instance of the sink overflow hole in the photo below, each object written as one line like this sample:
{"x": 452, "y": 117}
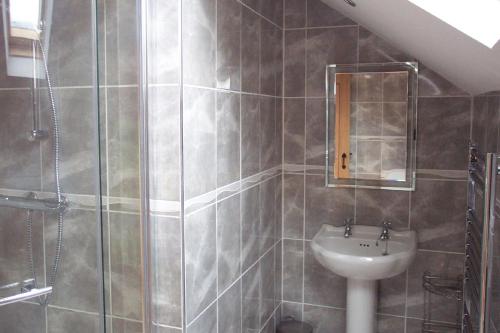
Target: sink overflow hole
{"x": 364, "y": 245}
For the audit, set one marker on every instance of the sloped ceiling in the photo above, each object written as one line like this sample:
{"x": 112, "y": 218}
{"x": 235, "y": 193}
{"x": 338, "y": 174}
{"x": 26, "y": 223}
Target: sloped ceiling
{"x": 460, "y": 59}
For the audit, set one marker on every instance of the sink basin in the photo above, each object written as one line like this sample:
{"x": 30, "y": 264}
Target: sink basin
{"x": 363, "y": 259}
{"x": 363, "y": 255}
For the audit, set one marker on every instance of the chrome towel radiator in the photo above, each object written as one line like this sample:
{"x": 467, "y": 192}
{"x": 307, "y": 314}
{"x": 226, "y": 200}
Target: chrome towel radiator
{"x": 483, "y": 174}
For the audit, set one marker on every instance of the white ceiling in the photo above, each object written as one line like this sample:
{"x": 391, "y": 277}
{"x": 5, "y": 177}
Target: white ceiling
{"x": 460, "y": 59}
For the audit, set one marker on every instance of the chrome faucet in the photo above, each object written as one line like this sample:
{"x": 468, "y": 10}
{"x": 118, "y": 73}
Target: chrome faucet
{"x": 385, "y": 230}
{"x": 348, "y": 228}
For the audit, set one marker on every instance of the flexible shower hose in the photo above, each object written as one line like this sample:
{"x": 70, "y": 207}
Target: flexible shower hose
{"x": 56, "y": 147}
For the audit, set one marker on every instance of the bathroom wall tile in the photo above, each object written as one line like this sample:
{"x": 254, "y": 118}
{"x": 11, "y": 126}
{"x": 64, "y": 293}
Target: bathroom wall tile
{"x": 373, "y": 49}
{"x": 394, "y": 157}
{"x": 166, "y": 300}
{"x": 295, "y": 13}
{"x": 164, "y": 143}
{"x": 293, "y": 263}
{"x": 228, "y": 138}
{"x": 250, "y": 226}
{"x": 250, "y": 135}
{"x": 71, "y": 27}
{"x": 267, "y": 216}
{"x": 368, "y": 161}
{"x": 294, "y": 131}
{"x": 325, "y": 320}
{"x": 199, "y": 141}
{"x": 328, "y": 46}
{"x": 431, "y": 83}
{"x": 250, "y": 51}
{"x": 164, "y": 57}
{"x": 78, "y": 131}
{"x": 438, "y": 214}
{"x": 270, "y": 44}
{"x": 123, "y": 142}
{"x": 295, "y": 62}
{"x": 270, "y": 9}
{"x": 392, "y": 296}
{"x": 22, "y": 318}
{"x": 321, "y": 286}
{"x": 62, "y": 321}
{"x": 228, "y": 241}
{"x": 164, "y": 329}
{"x": 395, "y": 119}
{"x": 126, "y": 273}
{"x": 289, "y": 309}
{"x": 443, "y": 144}
{"x": 293, "y": 206}
{"x": 267, "y": 131}
{"x": 251, "y": 300}
{"x": 395, "y": 87}
{"x": 121, "y": 42}
{"x": 200, "y": 261}
{"x": 390, "y": 324}
{"x": 199, "y": 42}
{"x": 20, "y": 167}
{"x": 278, "y": 273}
{"x": 77, "y": 279}
{"x": 375, "y": 206}
{"x": 326, "y": 205}
{"x": 124, "y": 326}
{"x": 278, "y": 204}
{"x": 414, "y": 325}
{"x": 369, "y": 119}
{"x": 228, "y": 44}
{"x": 278, "y": 151}
{"x": 206, "y": 322}
{"x": 229, "y": 308}
{"x": 267, "y": 292}
{"x": 315, "y": 131}
{"x": 441, "y": 264}
{"x": 320, "y": 14}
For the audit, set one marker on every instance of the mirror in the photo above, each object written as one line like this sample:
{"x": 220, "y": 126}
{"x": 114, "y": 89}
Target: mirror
{"x": 371, "y": 117}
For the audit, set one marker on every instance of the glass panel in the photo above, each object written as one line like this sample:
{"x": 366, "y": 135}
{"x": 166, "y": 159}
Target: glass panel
{"x": 48, "y": 162}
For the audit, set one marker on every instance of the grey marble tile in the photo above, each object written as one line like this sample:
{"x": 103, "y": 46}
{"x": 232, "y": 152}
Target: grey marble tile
{"x": 121, "y": 42}
{"x": 267, "y": 216}
{"x": 326, "y": 205}
{"x": 228, "y": 44}
{"x": 250, "y": 135}
{"x": 374, "y": 49}
{"x": 251, "y": 300}
{"x": 167, "y": 292}
{"x": 200, "y": 261}
{"x": 295, "y": 62}
{"x": 394, "y": 156}
{"x": 164, "y": 143}
{"x": 228, "y": 138}
{"x": 199, "y": 141}
{"x": 395, "y": 87}
{"x": 77, "y": 284}
{"x": 267, "y": 132}
{"x": 443, "y": 133}
{"x": 395, "y": 119}
{"x": 392, "y": 296}
{"x": 293, "y": 263}
{"x": 228, "y": 241}
{"x": 229, "y": 308}
{"x": 199, "y": 42}
{"x": 20, "y": 165}
{"x": 390, "y": 324}
{"x": 22, "y": 318}
{"x": 267, "y": 292}
{"x": 315, "y": 132}
{"x": 295, "y": 13}
{"x": 164, "y": 329}
{"x": 414, "y": 325}
{"x": 126, "y": 266}
{"x": 71, "y": 25}
{"x": 77, "y": 141}
{"x": 431, "y": 83}
{"x": 321, "y": 286}
{"x": 324, "y": 320}
{"x": 62, "y": 321}
{"x": 270, "y": 9}
{"x": 250, "y": 227}
{"x": 164, "y": 56}
{"x": 368, "y": 159}
{"x": 123, "y": 142}
{"x": 369, "y": 118}
{"x": 278, "y": 273}
{"x": 438, "y": 214}
{"x": 250, "y": 51}
{"x": 294, "y": 131}
{"x": 442, "y": 264}
{"x": 278, "y": 203}
{"x": 124, "y": 326}
{"x": 375, "y": 206}
{"x": 206, "y": 323}
{"x": 293, "y": 206}
{"x": 270, "y": 46}
{"x": 370, "y": 87}
{"x": 289, "y": 309}
{"x": 320, "y": 14}
{"x": 328, "y": 46}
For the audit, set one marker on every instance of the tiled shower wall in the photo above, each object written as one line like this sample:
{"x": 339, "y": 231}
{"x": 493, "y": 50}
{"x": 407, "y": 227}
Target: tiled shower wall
{"x": 316, "y": 35}
{"x": 485, "y": 133}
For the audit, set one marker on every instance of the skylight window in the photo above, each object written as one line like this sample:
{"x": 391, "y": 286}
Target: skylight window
{"x": 479, "y": 19}
{"x": 25, "y": 14}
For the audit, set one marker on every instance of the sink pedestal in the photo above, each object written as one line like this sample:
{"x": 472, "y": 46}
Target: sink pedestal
{"x": 361, "y": 306}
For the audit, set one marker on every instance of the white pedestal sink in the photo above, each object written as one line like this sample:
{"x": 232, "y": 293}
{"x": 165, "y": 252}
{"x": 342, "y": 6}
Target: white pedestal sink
{"x": 363, "y": 259}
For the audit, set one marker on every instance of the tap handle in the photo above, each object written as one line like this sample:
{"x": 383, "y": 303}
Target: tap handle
{"x": 387, "y": 224}
{"x": 348, "y": 221}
